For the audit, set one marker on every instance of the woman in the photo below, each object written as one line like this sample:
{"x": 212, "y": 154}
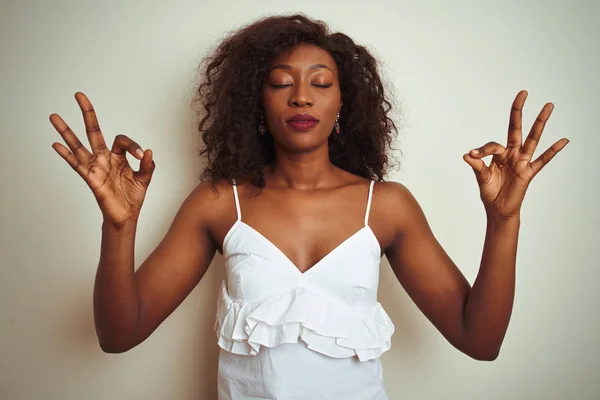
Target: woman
{"x": 297, "y": 133}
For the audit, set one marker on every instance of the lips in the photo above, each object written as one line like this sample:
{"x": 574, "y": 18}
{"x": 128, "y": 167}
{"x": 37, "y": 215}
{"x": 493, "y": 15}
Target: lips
{"x": 303, "y": 117}
{"x": 302, "y": 122}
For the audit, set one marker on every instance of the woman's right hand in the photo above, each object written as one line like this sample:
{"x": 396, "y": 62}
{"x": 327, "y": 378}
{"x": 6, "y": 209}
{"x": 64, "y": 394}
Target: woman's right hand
{"x": 119, "y": 190}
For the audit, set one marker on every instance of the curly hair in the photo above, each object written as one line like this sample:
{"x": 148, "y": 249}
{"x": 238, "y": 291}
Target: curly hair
{"x": 230, "y": 95}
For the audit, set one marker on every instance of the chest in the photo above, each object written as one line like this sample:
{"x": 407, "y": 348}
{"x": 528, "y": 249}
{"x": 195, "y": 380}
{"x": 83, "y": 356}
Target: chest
{"x": 308, "y": 229}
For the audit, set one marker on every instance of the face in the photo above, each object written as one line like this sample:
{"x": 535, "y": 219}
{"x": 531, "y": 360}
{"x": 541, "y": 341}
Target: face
{"x": 301, "y": 97}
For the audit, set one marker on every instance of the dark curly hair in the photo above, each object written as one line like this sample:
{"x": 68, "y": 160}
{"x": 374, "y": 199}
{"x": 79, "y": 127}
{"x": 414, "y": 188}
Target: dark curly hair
{"x": 230, "y": 96}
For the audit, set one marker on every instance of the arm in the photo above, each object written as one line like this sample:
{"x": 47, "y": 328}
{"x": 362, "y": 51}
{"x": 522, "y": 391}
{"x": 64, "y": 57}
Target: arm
{"x": 129, "y": 306}
{"x": 474, "y": 319}
{"x": 490, "y": 301}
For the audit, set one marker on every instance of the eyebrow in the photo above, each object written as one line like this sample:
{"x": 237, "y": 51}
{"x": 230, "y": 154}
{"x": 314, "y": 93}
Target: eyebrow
{"x": 289, "y": 67}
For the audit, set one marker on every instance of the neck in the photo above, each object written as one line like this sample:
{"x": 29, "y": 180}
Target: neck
{"x": 305, "y": 171}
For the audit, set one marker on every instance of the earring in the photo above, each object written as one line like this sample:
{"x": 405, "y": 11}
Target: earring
{"x": 262, "y": 127}
{"x": 337, "y": 124}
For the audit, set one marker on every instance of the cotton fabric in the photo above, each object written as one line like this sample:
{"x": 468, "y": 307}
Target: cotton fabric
{"x": 285, "y": 334}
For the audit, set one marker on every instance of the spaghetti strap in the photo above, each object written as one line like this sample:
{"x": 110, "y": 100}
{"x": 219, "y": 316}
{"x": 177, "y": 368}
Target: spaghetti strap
{"x": 369, "y": 203}
{"x": 237, "y": 201}
{"x": 265, "y": 296}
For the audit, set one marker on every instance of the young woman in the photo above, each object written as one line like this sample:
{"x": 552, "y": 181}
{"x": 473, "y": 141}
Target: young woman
{"x": 297, "y": 137}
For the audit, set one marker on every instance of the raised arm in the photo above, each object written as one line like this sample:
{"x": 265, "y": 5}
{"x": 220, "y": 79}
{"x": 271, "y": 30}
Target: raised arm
{"x": 475, "y": 319}
{"x": 128, "y": 305}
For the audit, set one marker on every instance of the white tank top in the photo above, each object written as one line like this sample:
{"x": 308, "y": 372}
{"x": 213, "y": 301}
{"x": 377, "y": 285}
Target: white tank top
{"x": 313, "y": 335}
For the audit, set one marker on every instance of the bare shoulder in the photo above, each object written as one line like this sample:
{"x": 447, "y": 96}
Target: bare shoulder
{"x": 394, "y": 199}
{"x": 388, "y": 189}
{"x": 207, "y": 198}
{"x": 209, "y": 190}
{"x": 395, "y": 211}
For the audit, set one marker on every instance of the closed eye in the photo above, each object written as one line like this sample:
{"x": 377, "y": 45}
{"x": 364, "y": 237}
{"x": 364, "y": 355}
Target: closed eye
{"x": 281, "y": 86}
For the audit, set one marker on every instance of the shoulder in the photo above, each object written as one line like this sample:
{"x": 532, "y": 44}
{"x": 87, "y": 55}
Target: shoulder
{"x": 207, "y": 200}
{"x": 392, "y": 194}
{"x": 209, "y": 191}
{"x": 396, "y": 204}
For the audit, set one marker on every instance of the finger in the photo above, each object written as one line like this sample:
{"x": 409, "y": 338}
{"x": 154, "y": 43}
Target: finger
{"x": 488, "y": 149}
{"x": 92, "y": 128}
{"x": 68, "y": 157}
{"x": 124, "y": 144}
{"x": 548, "y": 155}
{"x": 479, "y": 168}
{"x": 535, "y": 133}
{"x": 515, "y": 121}
{"x": 77, "y": 148}
{"x": 147, "y": 166}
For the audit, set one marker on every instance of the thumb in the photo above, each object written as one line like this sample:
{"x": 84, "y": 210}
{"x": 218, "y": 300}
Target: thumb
{"x": 479, "y": 168}
{"x": 147, "y": 166}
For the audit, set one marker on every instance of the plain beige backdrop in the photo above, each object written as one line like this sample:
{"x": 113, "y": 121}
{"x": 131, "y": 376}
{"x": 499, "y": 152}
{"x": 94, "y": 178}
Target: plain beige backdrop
{"x": 455, "y": 68}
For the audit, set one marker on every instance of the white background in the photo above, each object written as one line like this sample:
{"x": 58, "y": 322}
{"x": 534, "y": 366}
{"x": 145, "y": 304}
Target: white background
{"x": 455, "y": 68}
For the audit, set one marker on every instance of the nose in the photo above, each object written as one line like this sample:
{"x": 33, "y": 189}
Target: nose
{"x": 300, "y": 96}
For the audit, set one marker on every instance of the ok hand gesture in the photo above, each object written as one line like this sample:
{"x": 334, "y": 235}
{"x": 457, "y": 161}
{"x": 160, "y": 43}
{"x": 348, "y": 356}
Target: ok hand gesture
{"x": 502, "y": 184}
{"x": 119, "y": 190}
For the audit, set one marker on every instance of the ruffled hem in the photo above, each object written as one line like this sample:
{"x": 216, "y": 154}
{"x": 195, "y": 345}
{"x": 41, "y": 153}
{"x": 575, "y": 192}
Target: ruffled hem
{"x": 327, "y": 328}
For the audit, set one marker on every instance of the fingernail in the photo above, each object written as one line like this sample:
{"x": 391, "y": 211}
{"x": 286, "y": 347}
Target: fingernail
{"x": 140, "y": 153}
{"x": 475, "y": 151}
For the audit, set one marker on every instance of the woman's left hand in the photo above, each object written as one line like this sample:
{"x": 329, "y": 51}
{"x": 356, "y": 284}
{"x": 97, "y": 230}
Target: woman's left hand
{"x": 502, "y": 184}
